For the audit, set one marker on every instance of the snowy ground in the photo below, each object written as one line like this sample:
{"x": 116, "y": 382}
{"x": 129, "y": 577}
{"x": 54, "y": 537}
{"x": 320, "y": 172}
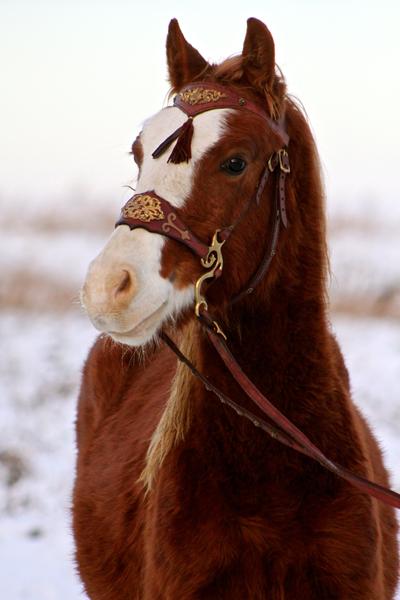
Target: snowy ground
{"x": 39, "y": 375}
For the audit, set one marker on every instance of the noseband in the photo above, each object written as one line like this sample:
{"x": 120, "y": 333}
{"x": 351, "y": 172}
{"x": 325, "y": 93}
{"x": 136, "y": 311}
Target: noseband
{"x": 155, "y": 214}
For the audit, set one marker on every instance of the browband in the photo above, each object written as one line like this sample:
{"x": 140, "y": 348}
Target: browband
{"x": 201, "y": 97}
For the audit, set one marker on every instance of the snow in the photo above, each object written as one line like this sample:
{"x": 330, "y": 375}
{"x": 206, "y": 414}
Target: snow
{"x": 365, "y": 262}
{"x": 66, "y": 263}
{"x": 371, "y": 348}
{"x": 39, "y": 378}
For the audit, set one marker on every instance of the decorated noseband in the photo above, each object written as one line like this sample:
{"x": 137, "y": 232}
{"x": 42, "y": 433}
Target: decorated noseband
{"x": 150, "y": 211}
{"x": 155, "y": 214}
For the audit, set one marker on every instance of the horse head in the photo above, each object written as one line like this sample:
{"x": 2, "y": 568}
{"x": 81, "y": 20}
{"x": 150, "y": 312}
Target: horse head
{"x": 203, "y": 168}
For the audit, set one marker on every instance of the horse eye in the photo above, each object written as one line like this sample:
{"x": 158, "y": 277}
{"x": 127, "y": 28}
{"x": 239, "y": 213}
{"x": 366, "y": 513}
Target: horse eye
{"x": 234, "y": 165}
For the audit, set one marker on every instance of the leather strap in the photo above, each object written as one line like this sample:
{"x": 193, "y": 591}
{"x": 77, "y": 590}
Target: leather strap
{"x": 283, "y": 430}
{"x": 274, "y": 432}
{"x": 278, "y": 217}
{"x": 155, "y": 214}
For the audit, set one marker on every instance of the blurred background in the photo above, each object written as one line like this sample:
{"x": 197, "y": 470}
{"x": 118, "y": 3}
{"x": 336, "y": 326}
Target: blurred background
{"x": 77, "y": 80}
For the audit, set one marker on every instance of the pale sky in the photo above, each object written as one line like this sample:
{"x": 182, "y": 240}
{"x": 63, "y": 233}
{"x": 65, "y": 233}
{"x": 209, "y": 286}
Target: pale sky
{"x": 79, "y": 77}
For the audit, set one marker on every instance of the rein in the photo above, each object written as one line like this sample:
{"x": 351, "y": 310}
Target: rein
{"x": 155, "y": 214}
{"x": 281, "y": 429}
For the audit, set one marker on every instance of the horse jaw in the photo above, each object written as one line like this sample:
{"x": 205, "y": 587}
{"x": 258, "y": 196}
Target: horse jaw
{"x": 124, "y": 293}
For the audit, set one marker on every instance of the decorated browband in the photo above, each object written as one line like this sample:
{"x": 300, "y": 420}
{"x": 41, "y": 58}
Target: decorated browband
{"x": 198, "y": 98}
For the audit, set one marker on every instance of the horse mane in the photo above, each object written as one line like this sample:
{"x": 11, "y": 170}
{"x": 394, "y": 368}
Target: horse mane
{"x": 177, "y": 416}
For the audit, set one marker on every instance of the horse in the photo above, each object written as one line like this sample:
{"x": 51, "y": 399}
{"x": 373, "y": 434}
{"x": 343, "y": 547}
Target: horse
{"x": 176, "y": 494}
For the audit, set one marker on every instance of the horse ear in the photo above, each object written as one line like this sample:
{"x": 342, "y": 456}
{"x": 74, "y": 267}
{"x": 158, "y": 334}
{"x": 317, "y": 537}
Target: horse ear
{"x": 259, "y": 55}
{"x": 185, "y": 63}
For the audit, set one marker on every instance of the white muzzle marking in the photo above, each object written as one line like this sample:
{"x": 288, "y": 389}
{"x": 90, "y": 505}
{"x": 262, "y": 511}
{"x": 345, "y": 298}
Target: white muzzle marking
{"x": 124, "y": 293}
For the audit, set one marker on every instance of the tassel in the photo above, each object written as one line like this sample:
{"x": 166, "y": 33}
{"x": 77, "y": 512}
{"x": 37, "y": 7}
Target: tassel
{"x": 167, "y": 142}
{"x": 182, "y": 151}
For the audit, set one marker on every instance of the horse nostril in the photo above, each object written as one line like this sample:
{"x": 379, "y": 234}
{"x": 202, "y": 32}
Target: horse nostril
{"x": 125, "y": 284}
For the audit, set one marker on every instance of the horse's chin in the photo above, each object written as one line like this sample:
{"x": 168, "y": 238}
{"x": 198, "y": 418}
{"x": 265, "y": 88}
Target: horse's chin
{"x": 143, "y": 332}
{"x": 134, "y": 341}
{"x": 172, "y": 315}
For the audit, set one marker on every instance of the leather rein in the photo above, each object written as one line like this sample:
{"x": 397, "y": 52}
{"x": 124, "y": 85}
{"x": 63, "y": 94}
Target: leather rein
{"x": 155, "y": 214}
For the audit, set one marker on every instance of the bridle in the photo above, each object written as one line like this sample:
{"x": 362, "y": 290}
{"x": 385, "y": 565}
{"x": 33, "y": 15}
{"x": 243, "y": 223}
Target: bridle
{"x": 150, "y": 211}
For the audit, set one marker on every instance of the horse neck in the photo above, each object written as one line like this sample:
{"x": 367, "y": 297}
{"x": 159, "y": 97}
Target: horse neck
{"x": 282, "y": 348}
{"x": 288, "y": 354}
{"x": 279, "y": 336}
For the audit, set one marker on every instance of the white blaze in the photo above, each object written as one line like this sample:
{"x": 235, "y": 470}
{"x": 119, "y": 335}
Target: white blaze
{"x": 174, "y": 182}
{"x": 140, "y": 251}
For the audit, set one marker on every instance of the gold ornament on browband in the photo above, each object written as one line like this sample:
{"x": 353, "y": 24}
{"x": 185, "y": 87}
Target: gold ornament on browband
{"x": 201, "y": 96}
{"x": 144, "y": 208}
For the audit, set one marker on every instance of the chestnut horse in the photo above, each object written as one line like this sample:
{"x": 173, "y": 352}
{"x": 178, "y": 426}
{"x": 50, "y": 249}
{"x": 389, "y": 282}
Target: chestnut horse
{"x": 177, "y": 496}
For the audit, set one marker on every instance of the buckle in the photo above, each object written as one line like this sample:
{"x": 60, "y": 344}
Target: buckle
{"x": 280, "y": 157}
{"x": 283, "y": 157}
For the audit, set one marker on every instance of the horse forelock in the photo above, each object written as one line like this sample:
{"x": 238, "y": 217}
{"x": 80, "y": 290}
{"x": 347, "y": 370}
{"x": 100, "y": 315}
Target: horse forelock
{"x": 272, "y": 95}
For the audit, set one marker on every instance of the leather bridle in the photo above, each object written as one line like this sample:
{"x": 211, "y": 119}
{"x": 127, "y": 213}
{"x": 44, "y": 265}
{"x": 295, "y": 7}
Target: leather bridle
{"x": 155, "y": 214}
